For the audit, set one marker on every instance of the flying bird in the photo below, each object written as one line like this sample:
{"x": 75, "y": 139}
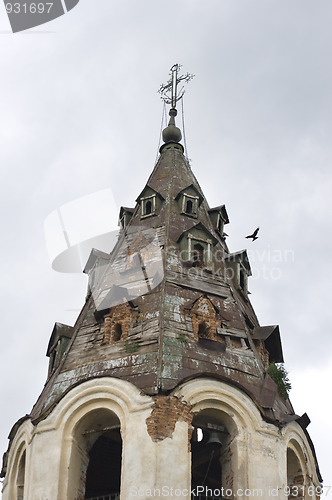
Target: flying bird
{"x": 253, "y": 235}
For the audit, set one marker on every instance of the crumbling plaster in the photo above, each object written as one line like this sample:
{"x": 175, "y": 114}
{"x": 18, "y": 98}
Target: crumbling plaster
{"x": 258, "y": 448}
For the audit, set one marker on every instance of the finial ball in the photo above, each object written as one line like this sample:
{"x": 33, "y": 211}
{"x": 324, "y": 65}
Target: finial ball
{"x": 172, "y": 133}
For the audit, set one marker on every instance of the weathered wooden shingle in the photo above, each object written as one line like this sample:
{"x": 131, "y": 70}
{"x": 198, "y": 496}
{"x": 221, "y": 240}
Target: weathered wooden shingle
{"x": 165, "y": 343}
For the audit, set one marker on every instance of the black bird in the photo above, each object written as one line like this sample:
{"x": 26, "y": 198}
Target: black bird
{"x": 253, "y": 235}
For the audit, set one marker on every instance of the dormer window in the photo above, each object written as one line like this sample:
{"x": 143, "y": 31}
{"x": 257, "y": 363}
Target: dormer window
{"x": 198, "y": 255}
{"x": 125, "y": 217}
{"x": 148, "y": 206}
{"x": 196, "y": 247}
{"x": 219, "y": 218}
{"x": 239, "y": 270}
{"x": 189, "y": 200}
{"x": 190, "y": 205}
{"x": 243, "y": 279}
{"x": 220, "y": 224}
{"x": 199, "y": 251}
{"x": 58, "y": 344}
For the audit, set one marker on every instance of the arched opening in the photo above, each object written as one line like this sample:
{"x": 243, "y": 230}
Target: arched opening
{"x": 203, "y": 330}
{"x": 198, "y": 254}
{"x": 189, "y": 207}
{"x": 96, "y": 456}
{"x": 148, "y": 207}
{"x": 295, "y": 477}
{"x": 117, "y": 332}
{"x": 211, "y": 454}
{"x": 104, "y": 469}
{"x": 20, "y": 478}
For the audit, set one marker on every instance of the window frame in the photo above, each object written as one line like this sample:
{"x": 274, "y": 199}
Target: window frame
{"x": 195, "y": 201}
{"x": 207, "y": 250}
{"x": 144, "y": 200}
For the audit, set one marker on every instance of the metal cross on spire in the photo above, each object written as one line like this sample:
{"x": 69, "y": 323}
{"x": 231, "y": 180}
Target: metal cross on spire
{"x": 170, "y": 92}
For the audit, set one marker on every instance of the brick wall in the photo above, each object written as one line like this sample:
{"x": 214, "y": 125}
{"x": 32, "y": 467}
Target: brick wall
{"x": 119, "y": 315}
{"x": 167, "y": 411}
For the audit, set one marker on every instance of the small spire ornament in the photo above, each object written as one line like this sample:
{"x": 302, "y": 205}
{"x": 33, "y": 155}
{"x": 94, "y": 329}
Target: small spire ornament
{"x": 171, "y": 94}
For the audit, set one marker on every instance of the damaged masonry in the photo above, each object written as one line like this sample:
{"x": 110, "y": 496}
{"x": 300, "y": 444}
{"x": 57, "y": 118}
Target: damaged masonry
{"x": 162, "y": 381}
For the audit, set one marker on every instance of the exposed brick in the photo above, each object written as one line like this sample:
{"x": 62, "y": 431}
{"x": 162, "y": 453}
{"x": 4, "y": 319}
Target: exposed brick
{"x": 119, "y": 316}
{"x": 204, "y": 314}
{"x": 167, "y": 411}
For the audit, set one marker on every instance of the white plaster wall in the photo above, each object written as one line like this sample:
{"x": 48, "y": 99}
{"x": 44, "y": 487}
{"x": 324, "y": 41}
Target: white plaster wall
{"x": 260, "y": 459}
{"x": 20, "y": 443}
{"x": 258, "y": 448}
{"x": 44, "y": 466}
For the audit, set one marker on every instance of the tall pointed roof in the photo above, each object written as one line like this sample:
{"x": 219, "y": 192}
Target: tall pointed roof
{"x": 156, "y": 315}
{"x": 170, "y": 302}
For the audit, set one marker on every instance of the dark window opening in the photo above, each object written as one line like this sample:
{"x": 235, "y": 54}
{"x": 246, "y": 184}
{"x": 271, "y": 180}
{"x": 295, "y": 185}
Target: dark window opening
{"x": 203, "y": 331}
{"x": 220, "y": 226}
{"x": 117, "y": 332}
{"x": 247, "y": 343}
{"x": 148, "y": 207}
{"x": 211, "y": 453}
{"x": 242, "y": 280}
{"x": 104, "y": 470}
{"x": 189, "y": 207}
{"x": 205, "y": 463}
{"x": 198, "y": 256}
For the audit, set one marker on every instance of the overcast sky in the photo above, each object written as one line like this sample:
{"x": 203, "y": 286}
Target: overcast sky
{"x": 80, "y": 113}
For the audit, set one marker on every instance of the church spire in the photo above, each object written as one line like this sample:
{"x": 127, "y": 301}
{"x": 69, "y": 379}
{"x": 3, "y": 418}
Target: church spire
{"x": 171, "y": 94}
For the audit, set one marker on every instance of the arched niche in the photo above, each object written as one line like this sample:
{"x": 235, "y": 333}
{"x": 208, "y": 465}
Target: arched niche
{"x": 96, "y": 456}
{"x": 213, "y": 452}
{"x": 20, "y": 477}
{"x": 295, "y": 474}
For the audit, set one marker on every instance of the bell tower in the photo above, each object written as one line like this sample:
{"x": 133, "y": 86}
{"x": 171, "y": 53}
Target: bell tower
{"x": 162, "y": 387}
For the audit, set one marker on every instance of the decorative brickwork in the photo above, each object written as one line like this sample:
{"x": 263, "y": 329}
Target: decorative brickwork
{"x": 117, "y": 323}
{"x": 167, "y": 411}
{"x": 204, "y": 319}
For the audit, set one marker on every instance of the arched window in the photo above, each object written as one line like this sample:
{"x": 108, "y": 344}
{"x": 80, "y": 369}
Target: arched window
{"x": 211, "y": 455}
{"x": 295, "y": 477}
{"x": 95, "y": 466}
{"x": 203, "y": 330}
{"x": 189, "y": 204}
{"x": 20, "y": 478}
{"x": 117, "y": 332}
{"x": 148, "y": 207}
{"x": 104, "y": 469}
{"x": 198, "y": 253}
{"x": 189, "y": 207}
